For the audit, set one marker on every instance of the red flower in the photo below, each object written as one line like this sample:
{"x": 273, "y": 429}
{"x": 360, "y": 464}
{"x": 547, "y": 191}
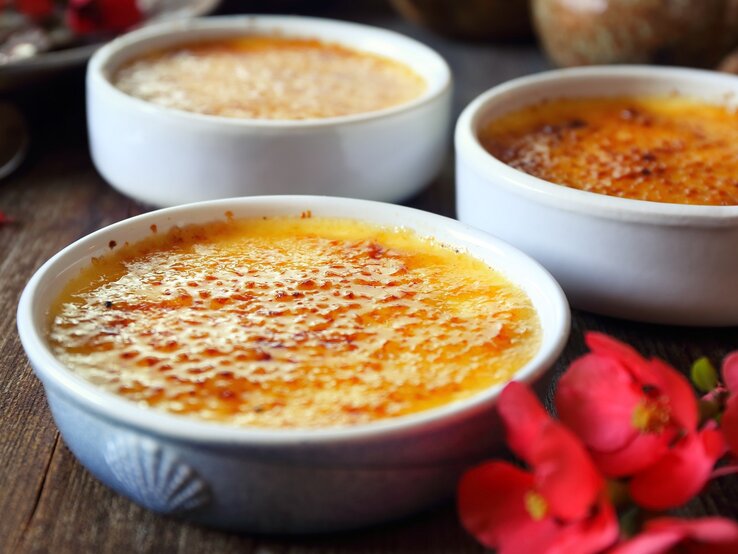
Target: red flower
{"x": 557, "y": 507}
{"x": 730, "y": 372}
{"x": 638, "y": 417}
{"x": 88, "y": 16}
{"x": 729, "y": 421}
{"x": 681, "y": 473}
{"x": 35, "y": 8}
{"x": 713, "y": 535}
{"x": 626, "y": 409}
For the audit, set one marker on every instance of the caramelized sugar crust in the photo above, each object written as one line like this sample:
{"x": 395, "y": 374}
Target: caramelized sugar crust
{"x": 292, "y": 323}
{"x": 262, "y": 77}
{"x": 663, "y": 149}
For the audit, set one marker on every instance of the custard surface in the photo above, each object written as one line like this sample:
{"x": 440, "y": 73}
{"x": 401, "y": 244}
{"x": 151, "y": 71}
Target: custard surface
{"x": 292, "y": 323}
{"x": 662, "y": 149}
{"x": 264, "y": 77}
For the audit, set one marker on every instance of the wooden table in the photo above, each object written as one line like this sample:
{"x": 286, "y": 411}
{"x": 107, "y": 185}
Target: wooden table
{"x": 49, "y": 503}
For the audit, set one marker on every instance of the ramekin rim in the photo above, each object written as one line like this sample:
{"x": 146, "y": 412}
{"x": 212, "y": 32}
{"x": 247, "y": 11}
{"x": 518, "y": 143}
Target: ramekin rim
{"x": 97, "y": 65}
{"x": 658, "y": 213}
{"x": 121, "y": 410}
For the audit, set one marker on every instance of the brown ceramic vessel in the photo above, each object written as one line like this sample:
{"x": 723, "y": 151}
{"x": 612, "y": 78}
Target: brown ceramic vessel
{"x": 502, "y": 20}
{"x": 586, "y": 32}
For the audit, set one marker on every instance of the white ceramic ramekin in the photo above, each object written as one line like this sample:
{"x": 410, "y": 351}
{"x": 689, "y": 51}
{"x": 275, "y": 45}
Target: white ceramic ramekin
{"x": 648, "y": 261}
{"x": 166, "y": 157}
{"x": 279, "y": 480}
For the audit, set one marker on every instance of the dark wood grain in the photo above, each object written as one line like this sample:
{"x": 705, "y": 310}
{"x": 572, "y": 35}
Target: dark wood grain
{"x": 49, "y": 503}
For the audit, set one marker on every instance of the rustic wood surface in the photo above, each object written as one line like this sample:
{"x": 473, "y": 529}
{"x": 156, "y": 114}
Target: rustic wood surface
{"x": 48, "y": 502}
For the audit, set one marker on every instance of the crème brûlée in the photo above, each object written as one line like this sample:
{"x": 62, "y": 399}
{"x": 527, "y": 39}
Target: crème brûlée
{"x": 269, "y": 77}
{"x": 663, "y": 149}
{"x": 292, "y": 323}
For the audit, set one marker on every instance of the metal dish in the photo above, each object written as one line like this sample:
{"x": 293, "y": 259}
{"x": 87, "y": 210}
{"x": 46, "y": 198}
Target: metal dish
{"x": 42, "y": 66}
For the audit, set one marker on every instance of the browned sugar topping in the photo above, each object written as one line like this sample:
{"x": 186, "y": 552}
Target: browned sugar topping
{"x": 302, "y": 322}
{"x": 262, "y": 77}
{"x": 665, "y": 149}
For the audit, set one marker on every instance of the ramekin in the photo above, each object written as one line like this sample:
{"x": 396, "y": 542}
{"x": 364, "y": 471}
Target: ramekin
{"x": 165, "y": 157}
{"x": 285, "y": 481}
{"x": 647, "y": 261}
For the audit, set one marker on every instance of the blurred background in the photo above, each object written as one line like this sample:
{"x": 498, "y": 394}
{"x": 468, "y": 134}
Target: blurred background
{"x": 44, "y": 44}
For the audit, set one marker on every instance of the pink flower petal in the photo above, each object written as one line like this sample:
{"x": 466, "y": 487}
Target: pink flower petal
{"x": 535, "y": 537}
{"x": 729, "y": 424}
{"x": 596, "y": 398}
{"x": 491, "y": 503}
{"x": 606, "y": 346}
{"x": 643, "y": 451}
{"x": 706, "y": 529}
{"x": 524, "y": 417}
{"x": 730, "y": 372}
{"x": 649, "y": 543}
{"x": 677, "y": 389}
{"x": 680, "y": 474}
{"x": 654, "y": 373}
{"x": 593, "y": 534}
{"x": 710, "y": 534}
{"x": 564, "y": 473}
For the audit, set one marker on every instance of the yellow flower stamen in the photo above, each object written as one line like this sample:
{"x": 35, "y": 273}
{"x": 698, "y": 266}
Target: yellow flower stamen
{"x": 536, "y": 505}
{"x": 651, "y": 416}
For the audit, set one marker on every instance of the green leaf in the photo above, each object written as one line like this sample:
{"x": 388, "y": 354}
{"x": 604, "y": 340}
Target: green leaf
{"x": 704, "y": 375}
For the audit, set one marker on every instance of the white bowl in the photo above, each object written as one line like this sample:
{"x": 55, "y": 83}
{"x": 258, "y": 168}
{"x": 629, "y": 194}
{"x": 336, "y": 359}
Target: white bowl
{"x": 166, "y": 157}
{"x": 279, "y": 480}
{"x": 648, "y": 261}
